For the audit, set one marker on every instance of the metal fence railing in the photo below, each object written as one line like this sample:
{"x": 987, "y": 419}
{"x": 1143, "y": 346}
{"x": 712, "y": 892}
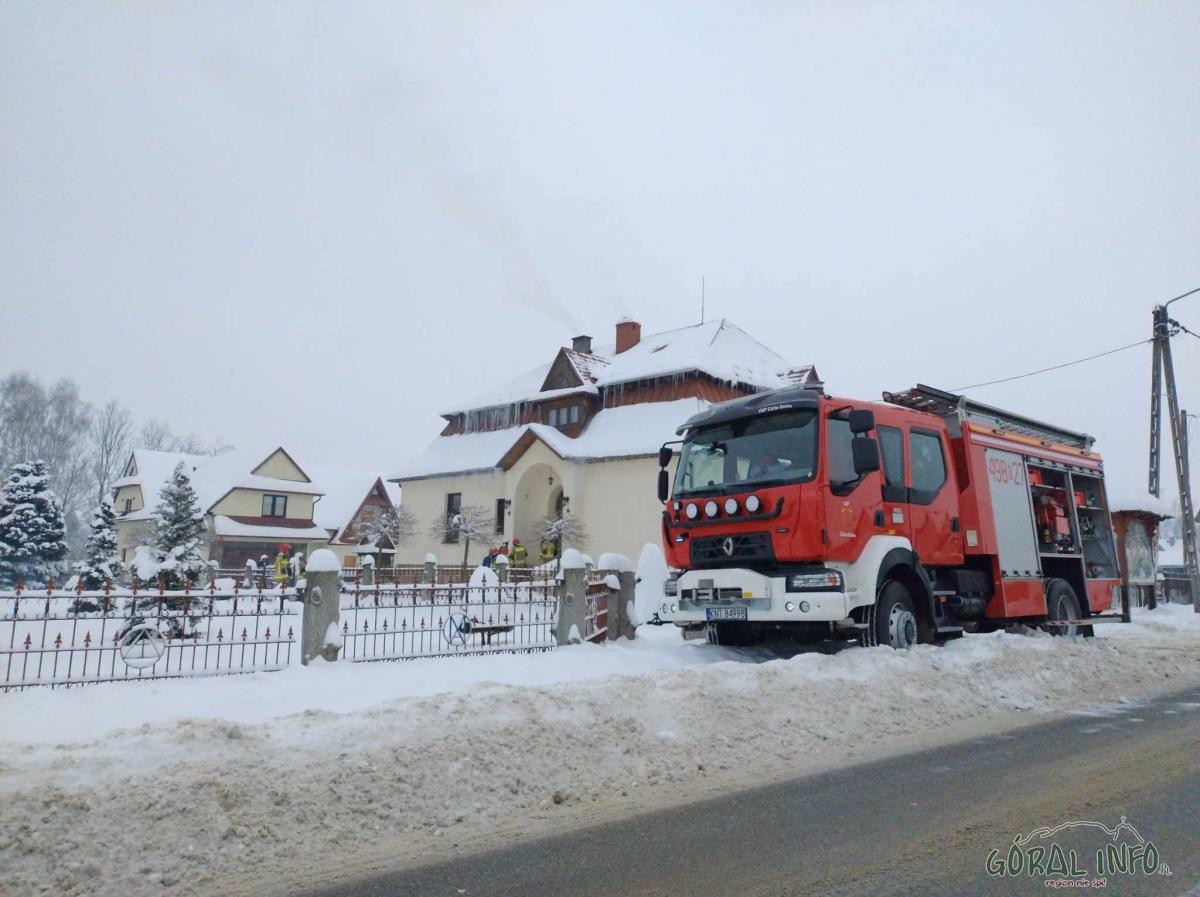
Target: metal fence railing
{"x": 56, "y": 638}
{"x": 389, "y": 622}
{"x": 596, "y": 629}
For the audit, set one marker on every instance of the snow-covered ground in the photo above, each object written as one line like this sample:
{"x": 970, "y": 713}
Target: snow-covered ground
{"x": 248, "y": 784}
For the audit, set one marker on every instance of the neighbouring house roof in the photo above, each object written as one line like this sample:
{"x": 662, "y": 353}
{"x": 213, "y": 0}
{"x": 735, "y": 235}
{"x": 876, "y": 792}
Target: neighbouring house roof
{"x": 213, "y": 477}
{"x": 1123, "y": 498}
{"x": 622, "y": 432}
{"x": 345, "y": 491}
{"x": 229, "y": 526}
{"x": 720, "y": 349}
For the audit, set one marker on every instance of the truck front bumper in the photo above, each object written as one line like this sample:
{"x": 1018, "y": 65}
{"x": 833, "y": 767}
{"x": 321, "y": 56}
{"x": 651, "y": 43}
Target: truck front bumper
{"x": 767, "y": 599}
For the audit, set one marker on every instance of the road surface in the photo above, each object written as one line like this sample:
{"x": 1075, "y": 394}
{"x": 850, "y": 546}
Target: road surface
{"x": 919, "y": 824}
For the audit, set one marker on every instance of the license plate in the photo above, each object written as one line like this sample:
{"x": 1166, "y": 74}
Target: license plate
{"x": 725, "y": 613}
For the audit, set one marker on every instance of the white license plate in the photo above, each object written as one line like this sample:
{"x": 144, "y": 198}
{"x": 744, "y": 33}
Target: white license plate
{"x": 725, "y": 613}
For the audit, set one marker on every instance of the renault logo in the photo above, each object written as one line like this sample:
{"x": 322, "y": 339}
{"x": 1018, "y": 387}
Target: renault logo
{"x": 727, "y": 546}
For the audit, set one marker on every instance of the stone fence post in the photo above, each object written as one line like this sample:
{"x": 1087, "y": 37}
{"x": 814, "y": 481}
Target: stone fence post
{"x": 572, "y": 606}
{"x": 368, "y": 570}
{"x": 320, "y": 636}
{"x": 500, "y": 564}
{"x": 429, "y": 573}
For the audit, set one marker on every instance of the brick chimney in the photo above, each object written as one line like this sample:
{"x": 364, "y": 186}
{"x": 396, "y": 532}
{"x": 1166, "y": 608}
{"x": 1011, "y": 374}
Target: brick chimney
{"x": 629, "y": 334}
{"x": 582, "y": 344}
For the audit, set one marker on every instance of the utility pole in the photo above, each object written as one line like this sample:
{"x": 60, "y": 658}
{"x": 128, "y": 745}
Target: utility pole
{"x": 1164, "y": 370}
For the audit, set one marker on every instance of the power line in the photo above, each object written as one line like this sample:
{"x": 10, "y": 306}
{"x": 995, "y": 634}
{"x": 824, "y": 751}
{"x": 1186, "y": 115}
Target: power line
{"x": 1185, "y": 330}
{"x": 1065, "y": 364}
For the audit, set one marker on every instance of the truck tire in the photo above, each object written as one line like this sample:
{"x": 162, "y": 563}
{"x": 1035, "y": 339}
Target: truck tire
{"x": 892, "y": 619}
{"x": 1061, "y": 604}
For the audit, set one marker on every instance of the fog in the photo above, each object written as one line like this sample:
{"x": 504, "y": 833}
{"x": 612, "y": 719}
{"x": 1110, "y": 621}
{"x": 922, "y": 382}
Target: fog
{"x": 320, "y": 225}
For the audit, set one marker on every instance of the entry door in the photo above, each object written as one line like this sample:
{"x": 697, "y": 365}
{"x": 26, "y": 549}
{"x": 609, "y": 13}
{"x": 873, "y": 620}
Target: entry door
{"x": 933, "y": 500}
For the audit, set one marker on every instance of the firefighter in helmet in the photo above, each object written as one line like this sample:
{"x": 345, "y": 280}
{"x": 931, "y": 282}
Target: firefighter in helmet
{"x": 281, "y": 565}
{"x": 548, "y": 552}
{"x": 519, "y": 554}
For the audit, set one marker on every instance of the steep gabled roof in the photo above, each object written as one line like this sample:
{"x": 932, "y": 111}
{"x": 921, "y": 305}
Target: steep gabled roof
{"x": 720, "y": 349}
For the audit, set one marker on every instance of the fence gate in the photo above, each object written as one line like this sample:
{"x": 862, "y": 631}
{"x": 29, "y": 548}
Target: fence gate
{"x": 55, "y": 638}
{"x": 399, "y": 622}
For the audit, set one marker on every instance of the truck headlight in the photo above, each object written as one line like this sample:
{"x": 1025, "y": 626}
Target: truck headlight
{"x": 731, "y": 506}
{"x": 692, "y": 510}
{"x": 710, "y": 508}
{"x": 817, "y": 581}
{"x": 753, "y": 503}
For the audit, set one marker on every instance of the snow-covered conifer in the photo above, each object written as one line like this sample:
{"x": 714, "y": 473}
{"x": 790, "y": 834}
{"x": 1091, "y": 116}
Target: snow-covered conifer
{"x": 175, "y": 556}
{"x": 102, "y": 561}
{"x": 32, "y": 537}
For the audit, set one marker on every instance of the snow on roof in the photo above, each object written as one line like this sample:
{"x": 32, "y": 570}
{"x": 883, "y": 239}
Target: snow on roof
{"x": 1121, "y": 498}
{"x": 344, "y": 490}
{"x": 227, "y": 526}
{"x": 720, "y": 349}
{"x": 626, "y": 431}
{"x": 211, "y": 476}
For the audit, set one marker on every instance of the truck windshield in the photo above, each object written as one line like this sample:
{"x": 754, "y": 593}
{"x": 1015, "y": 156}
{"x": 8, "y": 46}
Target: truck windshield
{"x": 743, "y": 454}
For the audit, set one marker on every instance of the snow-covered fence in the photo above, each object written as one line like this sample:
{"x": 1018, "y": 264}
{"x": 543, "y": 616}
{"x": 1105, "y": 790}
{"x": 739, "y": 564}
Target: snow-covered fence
{"x": 596, "y": 617}
{"x": 60, "y": 638}
{"x": 390, "y": 622}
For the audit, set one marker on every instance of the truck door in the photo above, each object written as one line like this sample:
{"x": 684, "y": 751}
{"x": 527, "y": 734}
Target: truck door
{"x": 850, "y": 502}
{"x": 895, "y": 517}
{"x": 933, "y": 500}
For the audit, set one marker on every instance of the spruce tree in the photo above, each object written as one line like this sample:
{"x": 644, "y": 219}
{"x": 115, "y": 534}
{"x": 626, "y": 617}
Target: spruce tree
{"x": 178, "y": 530}
{"x": 102, "y": 562}
{"x": 32, "y": 532}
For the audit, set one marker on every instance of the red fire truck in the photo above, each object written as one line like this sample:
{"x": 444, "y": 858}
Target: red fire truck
{"x": 897, "y": 522}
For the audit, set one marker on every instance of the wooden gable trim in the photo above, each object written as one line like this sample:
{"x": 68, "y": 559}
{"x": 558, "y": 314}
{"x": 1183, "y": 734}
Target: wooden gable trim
{"x": 521, "y": 446}
{"x": 555, "y": 378}
{"x": 281, "y": 451}
{"x": 377, "y": 490}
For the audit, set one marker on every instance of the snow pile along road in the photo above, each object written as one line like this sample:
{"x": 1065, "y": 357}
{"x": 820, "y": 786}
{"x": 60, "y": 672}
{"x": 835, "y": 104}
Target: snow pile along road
{"x": 260, "y": 783}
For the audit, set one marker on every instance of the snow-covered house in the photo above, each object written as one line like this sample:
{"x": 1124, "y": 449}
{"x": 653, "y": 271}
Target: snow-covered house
{"x": 250, "y": 503}
{"x": 353, "y": 504}
{"x": 580, "y": 434}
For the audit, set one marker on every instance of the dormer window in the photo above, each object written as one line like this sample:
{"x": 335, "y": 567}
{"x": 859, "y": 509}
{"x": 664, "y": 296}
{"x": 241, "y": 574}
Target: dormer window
{"x": 563, "y": 417}
{"x": 274, "y": 506}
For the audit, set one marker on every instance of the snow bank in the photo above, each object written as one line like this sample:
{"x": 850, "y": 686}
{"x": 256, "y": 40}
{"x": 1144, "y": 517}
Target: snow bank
{"x": 397, "y": 755}
{"x": 323, "y": 561}
{"x": 483, "y": 576}
{"x": 612, "y": 561}
{"x": 652, "y": 572}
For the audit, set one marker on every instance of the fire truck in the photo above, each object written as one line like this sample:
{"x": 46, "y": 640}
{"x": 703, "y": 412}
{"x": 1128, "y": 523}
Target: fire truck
{"x": 794, "y": 513}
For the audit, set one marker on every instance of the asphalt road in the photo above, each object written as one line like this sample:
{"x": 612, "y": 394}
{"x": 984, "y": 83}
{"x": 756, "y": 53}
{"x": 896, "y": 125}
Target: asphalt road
{"x": 919, "y": 824}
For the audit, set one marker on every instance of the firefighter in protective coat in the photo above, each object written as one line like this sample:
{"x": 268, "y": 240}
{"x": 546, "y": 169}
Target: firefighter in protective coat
{"x": 281, "y": 565}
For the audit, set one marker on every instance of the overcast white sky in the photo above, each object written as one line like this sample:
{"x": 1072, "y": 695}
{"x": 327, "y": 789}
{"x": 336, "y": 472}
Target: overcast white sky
{"x": 319, "y": 224}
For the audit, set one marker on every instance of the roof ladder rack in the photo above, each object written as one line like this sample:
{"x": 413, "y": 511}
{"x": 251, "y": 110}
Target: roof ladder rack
{"x": 949, "y": 405}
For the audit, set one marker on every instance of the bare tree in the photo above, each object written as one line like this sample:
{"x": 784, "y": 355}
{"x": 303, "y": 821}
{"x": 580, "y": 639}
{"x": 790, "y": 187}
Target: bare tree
{"x": 564, "y": 531}
{"x": 396, "y": 522}
{"x": 470, "y": 523}
{"x": 157, "y": 436}
{"x": 111, "y": 429}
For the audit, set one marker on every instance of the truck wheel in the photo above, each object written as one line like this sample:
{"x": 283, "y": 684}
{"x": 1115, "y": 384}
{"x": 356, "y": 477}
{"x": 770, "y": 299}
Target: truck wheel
{"x": 892, "y": 620}
{"x": 1061, "y": 604}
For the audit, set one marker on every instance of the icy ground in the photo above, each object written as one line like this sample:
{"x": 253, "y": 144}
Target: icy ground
{"x": 255, "y": 784}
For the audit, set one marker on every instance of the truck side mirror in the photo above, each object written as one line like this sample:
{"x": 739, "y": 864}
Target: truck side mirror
{"x": 866, "y": 454}
{"x": 664, "y": 457}
{"x": 862, "y": 420}
{"x": 663, "y": 485}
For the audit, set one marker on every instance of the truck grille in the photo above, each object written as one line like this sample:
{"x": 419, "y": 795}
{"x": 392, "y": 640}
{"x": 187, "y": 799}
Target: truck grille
{"x": 743, "y": 548}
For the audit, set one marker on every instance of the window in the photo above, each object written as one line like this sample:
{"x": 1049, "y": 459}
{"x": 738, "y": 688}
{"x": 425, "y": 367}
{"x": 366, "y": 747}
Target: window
{"x": 274, "y": 506}
{"x": 841, "y": 453}
{"x": 124, "y": 553}
{"x": 574, "y": 411}
{"x": 552, "y": 418}
{"x": 128, "y": 506}
{"x": 891, "y": 446}
{"x": 928, "y": 465}
{"x": 780, "y": 448}
{"x": 499, "y": 516}
{"x": 453, "y": 508}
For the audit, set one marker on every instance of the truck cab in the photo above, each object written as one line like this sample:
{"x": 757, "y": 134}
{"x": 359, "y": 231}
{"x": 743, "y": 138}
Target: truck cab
{"x": 793, "y": 512}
